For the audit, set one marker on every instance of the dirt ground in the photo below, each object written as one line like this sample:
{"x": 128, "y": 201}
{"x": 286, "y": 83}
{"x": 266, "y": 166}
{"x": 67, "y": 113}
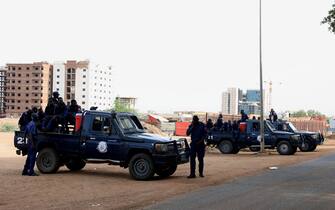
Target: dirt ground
{"x": 110, "y": 187}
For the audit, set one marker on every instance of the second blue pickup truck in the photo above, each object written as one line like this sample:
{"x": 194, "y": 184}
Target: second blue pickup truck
{"x": 248, "y": 136}
{"x": 112, "y": 138}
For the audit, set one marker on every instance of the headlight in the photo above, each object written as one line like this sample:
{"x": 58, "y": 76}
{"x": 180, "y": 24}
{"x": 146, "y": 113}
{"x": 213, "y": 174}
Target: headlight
{"x": 314, "y": 136}
{"x": 182, "y": 144}
{"x": 161, "y": 147}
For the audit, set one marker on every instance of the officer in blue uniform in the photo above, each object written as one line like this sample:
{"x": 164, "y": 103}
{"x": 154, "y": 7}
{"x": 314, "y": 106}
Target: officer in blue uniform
{"x": 197, "y": 130}
{"x": 30, "y": 134}
{"x": 244, "y": 116}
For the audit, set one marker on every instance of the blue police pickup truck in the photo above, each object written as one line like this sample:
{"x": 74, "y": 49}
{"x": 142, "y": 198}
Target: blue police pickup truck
{"x": 248, "y": 136}
{"x": 310, "y": 140}
{"x": 112, "y": 138}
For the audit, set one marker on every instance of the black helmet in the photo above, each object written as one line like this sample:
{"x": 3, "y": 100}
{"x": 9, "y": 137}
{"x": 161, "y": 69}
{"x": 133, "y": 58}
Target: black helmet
{"x": 55, "y": 94}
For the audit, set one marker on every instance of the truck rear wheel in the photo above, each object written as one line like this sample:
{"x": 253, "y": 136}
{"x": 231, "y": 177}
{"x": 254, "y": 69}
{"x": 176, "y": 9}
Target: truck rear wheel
{"x": 226, "y": 147}
{"x": 285, "y": 148}
{"x": 141, "y": 167}
{"x": 48, "y": 161}
{"x": 167, "y": 171}
{"x": 75, "y": 164}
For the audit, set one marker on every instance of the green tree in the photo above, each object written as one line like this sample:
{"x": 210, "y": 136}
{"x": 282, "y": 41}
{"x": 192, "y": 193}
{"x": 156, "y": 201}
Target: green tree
{"x": 120, "y": 107}
{"x": 300, "y": 113}
{"x": 330, "y": 19}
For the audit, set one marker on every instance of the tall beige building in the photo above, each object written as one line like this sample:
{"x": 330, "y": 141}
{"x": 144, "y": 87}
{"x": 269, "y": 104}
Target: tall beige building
{"x": 27, "y": 85}
{"x": 3, "y": 72}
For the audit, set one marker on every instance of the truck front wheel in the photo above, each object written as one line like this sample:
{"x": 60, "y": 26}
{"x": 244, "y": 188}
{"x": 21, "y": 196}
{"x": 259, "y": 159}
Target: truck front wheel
{"x": 75, "y": 164}
{"x": 285, "y": 148}
{"x": 312, "y": 148}
{"x": 226, "y": 147}
{"x": 167, "y": 171}
{"x": 48, "y": 161}
{"x": 306, "y": 146}
{"x": 141, "y": 167}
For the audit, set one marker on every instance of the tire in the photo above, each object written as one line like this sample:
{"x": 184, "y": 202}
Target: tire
{"x": 285, "y": 148}
{"x": 307, "y": 146}
{"x": 141, "y": 167}
{"x": 254, "y": 149}
{"x": 166, "y": 172}
{"x": 226, "y": 147}
{"x": 235, "y": 150}
{"x": 75, "y": 164}
{"x": 312, "y": 148}
{"x": 48, "y": 161}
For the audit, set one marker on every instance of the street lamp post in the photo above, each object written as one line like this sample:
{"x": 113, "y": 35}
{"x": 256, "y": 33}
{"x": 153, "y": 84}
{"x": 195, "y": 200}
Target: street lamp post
{"x": 262, "y": 143}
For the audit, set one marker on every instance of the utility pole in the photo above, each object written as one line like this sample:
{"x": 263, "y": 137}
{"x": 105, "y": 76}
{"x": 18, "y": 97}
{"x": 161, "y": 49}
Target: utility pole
{"x": 262, "y": 143}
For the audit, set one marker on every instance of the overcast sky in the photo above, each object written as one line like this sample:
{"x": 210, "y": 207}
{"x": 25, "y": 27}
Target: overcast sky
{"x": 181, "y": 54}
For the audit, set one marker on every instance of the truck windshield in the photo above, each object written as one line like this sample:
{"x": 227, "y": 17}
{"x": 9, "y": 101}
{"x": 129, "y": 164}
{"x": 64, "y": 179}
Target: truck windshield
{"x": 292, "y": 127}
{"x": 128, "y": 125}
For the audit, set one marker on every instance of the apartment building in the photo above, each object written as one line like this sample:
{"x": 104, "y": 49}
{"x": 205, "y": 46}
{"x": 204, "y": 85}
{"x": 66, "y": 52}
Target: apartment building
{"x": 230, "y": 101}
{"x": 3, "y": 72}
{"x": 89, "y": 84}
{"x": 27, "y": 85}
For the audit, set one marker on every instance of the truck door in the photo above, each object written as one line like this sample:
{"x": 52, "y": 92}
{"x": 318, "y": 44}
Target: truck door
{"x": 101, "y": 141}
{"x": 255, "y": 134}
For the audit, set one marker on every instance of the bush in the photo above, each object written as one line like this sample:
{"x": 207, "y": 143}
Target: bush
{"x": 7, "y": 128}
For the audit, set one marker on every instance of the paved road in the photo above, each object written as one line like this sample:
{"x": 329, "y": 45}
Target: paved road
{"x": 310, "y": 185}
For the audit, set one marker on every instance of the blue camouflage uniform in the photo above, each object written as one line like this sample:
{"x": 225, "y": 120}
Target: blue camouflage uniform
{"x": 30, "y": 133}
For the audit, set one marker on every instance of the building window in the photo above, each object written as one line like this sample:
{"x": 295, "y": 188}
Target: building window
{"x": 36, "y": 102}
{"x": 27, "y": 101}
{"x": 84, "y": 89}
{"x": 27, "y": 75}
{"x": 84, "y": 70}
{"x": 27, "y": 94}
{"x": 83, "y": 96}
{"x": 84, "y": 83}
{"x": 83, "y": 102}
{"x": 58, "y": 70}
{"x": 36, "y": 68}
{"x": 57, "y": 83}
{"x": 27, "y": 88}
{"x": 84, "y": 76}
{"x": 18, "y": 101}
{"x": 19, "y": 68}
{"x": 27, "y": 81}
{"x": 27, "y": 68}
{"x": 57, "y": 76}
{"x": 19, "y": 94}
{"x": 57, "y": 89}
{"x": 19, "y": 81}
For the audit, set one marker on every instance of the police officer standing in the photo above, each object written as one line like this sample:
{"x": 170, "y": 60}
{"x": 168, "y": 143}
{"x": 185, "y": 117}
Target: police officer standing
{"x": 197, "y": 131}
{"x": 273, "y": 116}
{"x": 244, "y": 116}
{"x": 30, "y": 134}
